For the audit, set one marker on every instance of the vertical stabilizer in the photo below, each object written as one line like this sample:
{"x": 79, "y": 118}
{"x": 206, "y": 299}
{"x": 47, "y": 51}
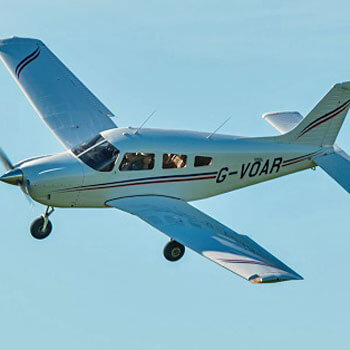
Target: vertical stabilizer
{"x": 321, "y": 126}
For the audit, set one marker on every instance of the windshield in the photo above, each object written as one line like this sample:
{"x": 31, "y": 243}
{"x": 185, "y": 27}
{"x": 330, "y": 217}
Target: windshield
{"x": 97, "y": 153}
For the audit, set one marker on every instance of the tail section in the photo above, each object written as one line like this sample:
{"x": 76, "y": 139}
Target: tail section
{"x": 321, "y": 126}
{"x": 337, "y": 166}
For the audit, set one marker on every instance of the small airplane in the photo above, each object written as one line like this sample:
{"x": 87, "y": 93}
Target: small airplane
{"x": 154, "y": 173}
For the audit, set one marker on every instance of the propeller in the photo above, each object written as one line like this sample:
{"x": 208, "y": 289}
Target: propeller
{"x": 5, "y": 160}
{"x": 15, "y": 176}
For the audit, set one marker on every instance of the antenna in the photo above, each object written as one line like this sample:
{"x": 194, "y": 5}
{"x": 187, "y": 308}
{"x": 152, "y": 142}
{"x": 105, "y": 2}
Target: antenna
{"x": 219, "y": 127}
{"x": 146, "y": 120}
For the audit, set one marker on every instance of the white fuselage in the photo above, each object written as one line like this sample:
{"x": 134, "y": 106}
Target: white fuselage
{"x": 63, "y": 180}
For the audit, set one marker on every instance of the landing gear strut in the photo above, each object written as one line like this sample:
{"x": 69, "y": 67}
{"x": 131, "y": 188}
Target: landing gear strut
{"x": 42, "y": 226}
{"x": 174, "y": 251}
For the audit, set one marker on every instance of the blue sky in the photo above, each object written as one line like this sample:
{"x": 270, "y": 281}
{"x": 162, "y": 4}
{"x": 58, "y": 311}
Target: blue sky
{"x": 100, "y": 281}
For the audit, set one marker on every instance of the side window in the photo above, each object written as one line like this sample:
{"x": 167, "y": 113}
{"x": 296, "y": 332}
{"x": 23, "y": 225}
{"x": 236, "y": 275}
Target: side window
{"x": 137, "y": 161}
{"x": 202, "y": 161}
{"x": 171, "y": 160}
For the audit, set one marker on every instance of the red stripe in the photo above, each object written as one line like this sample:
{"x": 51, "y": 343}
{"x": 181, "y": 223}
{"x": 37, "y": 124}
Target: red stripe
{"x": 32, "y": 59}
{"x": 143, "y": 183}
{"x": 323, "y": 121}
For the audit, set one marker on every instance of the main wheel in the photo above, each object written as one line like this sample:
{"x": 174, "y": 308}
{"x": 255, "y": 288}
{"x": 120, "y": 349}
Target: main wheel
{"x": 174, "y": 251}
{"x": 36, "y": 229}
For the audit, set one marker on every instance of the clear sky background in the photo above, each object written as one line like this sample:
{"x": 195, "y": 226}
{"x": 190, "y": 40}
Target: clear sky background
{"x": 100, "y": 280}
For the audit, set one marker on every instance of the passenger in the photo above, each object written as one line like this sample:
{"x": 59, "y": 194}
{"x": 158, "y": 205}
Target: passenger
{"x": 168, "y": 161}
{"x": 147, "y": 162}
{"x": 179, "y": 160}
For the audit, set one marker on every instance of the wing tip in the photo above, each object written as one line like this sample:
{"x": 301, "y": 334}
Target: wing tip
{"x": 18, "y": 40}
{"x": 256, "y": 279}
{"x": 344, "y": 85}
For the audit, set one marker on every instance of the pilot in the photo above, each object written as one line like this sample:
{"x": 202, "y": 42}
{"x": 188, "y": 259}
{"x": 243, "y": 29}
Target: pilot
{"x": 127, "y": 162}
{"x": 136, "y": 162}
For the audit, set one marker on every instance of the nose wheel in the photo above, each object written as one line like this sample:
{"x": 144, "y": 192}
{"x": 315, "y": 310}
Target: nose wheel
{"x": 174, "y": 251}
{"x": 42, "y": 227}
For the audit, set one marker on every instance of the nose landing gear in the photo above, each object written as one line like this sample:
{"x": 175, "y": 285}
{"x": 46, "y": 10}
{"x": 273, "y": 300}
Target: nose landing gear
{"x": 42, "y": 227}
{"x": 174, "y": 251}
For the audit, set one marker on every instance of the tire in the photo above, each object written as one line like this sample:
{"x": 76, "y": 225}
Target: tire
{"x": 37, "y": 226}
{"x": 174, "y": 251}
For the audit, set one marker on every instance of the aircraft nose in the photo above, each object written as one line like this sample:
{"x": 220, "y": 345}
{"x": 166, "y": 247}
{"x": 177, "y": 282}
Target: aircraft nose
{"x": 12, "y": 177}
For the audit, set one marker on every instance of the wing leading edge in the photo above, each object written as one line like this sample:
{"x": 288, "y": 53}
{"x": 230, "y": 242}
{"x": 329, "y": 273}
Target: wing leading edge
{"x": 68, "y": 108}
{"x": 201, "y": 233}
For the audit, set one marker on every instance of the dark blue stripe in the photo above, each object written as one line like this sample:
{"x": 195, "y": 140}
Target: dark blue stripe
{"x": 326, "y": 115}
{"x": 26, "y": 58}
{"x": 296, "y": 158}
{"x": 142, "y": 179}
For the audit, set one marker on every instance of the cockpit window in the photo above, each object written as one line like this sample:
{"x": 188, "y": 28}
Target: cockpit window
{"x": 137, "y": 161}
{"x": 97, "y": 153}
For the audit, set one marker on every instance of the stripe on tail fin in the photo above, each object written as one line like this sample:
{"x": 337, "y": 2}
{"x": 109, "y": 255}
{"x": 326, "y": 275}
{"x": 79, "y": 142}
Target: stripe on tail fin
{"x": 321, "y": 126}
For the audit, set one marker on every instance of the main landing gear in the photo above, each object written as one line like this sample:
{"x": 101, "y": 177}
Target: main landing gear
{"x": 174, "y": 251}
{"x": 42, "y": 226}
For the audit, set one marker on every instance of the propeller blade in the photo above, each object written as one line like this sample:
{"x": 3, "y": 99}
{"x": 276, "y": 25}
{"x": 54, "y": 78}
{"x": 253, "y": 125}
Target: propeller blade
{"x": 29, "y": 200}
{"x": 25, "y": 190}
{"x": 5, "y": 160}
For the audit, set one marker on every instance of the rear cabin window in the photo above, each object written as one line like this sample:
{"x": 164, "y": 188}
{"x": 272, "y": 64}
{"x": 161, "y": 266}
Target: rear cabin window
{"x": 172, "y": 161}
{"x": 202, "y": 161}
{"x": 137, "y": 161}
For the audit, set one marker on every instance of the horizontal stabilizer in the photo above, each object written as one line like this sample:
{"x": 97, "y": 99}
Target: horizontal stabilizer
{"x": 337, "y": 166}
{"x": 283, "y": 121}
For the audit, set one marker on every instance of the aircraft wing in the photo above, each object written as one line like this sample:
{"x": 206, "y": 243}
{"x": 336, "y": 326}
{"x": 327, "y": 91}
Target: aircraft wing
{"x": 201, "y": 233}
{"x": 68, "y": 108}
